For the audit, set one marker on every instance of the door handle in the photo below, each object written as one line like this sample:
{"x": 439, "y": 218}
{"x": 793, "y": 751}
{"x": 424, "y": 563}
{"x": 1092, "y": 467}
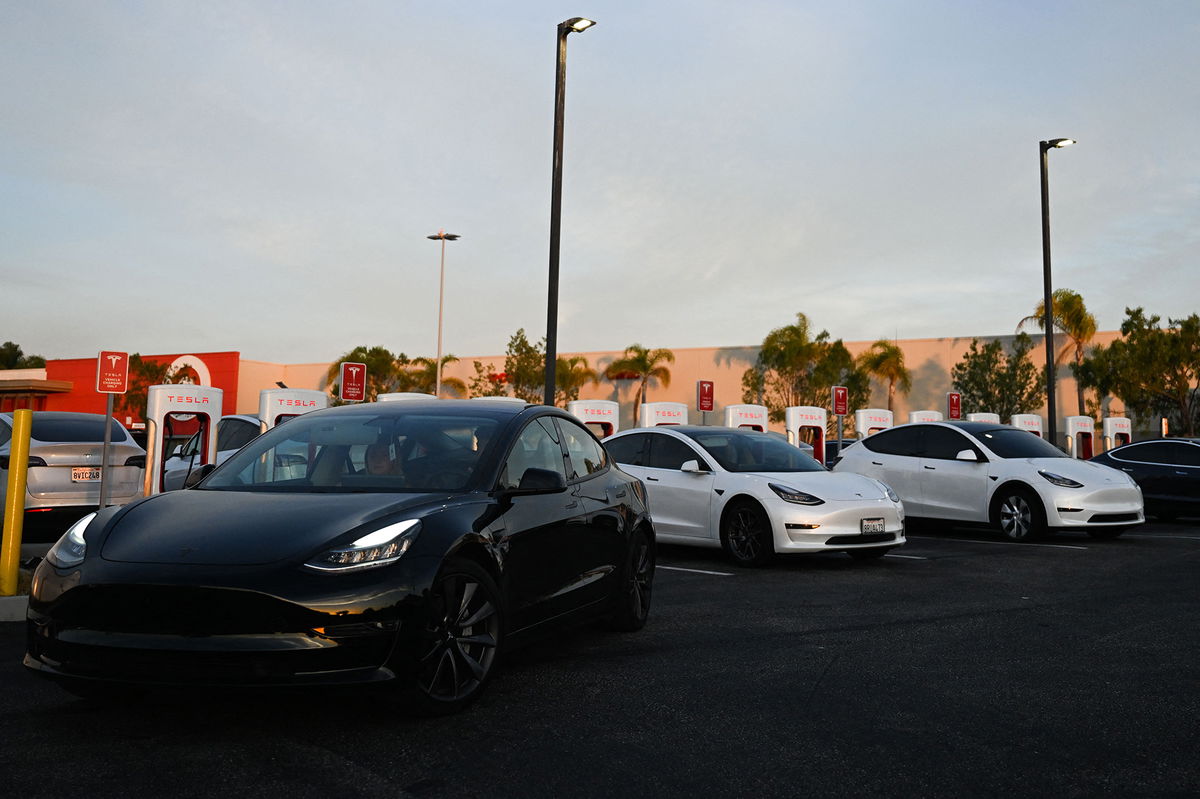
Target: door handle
{"x": 931, "y": 468}
{"x": 876, "y": 463}
{"x": 1126, "y": 469}
{"x": 572, "y": 504}
{"x": 1183, "y": 473}
{"x": 652, "y": 479}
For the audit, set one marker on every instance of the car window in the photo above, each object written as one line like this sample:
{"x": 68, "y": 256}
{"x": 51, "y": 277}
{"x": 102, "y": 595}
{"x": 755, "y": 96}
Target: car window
{"x": 74, "y": 427}
{"x": 754, "y": 452}
{"x": 897, "y": 441}
{"x": 1187, "y": 454}
{"x": 629, "y": 450}
{"x": 942, "y": 442}
{"x": 584, "y": 454}
{"x": 235, "y": 434}
{"x": 536, "y": 448}
{"x": 5, "y": 434}
{"x": 1012, "y": 442}
{"x": 671, "y": 453}
{"x": 1150, "y": 452}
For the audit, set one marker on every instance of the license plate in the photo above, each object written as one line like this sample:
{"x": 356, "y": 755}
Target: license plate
{"x": 872, "y": 525}
{"x": 85, "y": 474}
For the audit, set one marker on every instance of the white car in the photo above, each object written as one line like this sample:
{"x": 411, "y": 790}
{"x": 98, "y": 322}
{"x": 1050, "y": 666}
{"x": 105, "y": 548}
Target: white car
{"x": 754, "y": 494}
{"x": 981, "y": 473}
{"x": 233, "y": 433}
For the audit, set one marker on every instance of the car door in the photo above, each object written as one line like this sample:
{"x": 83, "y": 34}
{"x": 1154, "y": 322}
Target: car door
{"x": 892, "y": 456}
{"x": 950, "y": 488}
{"x": 1149, "y": 463}
{"x": 540, "y": 534}
{"x": 679, "y": 501}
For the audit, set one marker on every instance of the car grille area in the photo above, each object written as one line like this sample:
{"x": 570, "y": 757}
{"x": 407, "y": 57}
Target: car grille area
{"x": 1109, "y": 518}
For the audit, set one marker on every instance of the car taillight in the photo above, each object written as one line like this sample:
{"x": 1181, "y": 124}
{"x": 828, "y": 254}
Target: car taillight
{"x": 33, "y": 461}
{"x": 136, "y": 460}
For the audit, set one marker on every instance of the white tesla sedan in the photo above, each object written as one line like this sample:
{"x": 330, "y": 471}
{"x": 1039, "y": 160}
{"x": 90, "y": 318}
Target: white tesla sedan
{"x": 981, "y": 473}
{"x": 754, "y": 494}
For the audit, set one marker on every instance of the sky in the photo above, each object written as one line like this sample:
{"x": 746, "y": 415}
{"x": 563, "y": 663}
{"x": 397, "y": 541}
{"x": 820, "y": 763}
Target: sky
{"x": 262, "y": 176}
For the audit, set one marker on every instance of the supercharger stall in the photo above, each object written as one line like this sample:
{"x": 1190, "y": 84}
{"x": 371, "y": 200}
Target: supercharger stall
{"x": 925, "y": 416}
{"x": 657, "y": 414}
{"x": 602, "y": 417}
{"x": 802, "y": 422}
{"x": 403, "y": 395}
{"x": 176, "y": 408}
{"x": 1116, "y": 431}
{"x": 277, "y": 405}
{"x": 753, "y": 417}
{"x": 989, "y": 418}
{"x": 1030, "y": 422}
{"x": 872, "y": 420}
{"x": 1080, "y": 432}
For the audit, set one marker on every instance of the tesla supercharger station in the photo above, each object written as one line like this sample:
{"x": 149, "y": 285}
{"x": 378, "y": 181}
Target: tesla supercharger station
{"x": 924, "y": 416}
{"x": 751, "y": 416}
{"x": 990, "y": 418}
{"x": 601, "y": 416}
{"x": 799, "y": 418}
{"x": 656, "y": 414}
{"x": 1080, "y": 430}
{"x": 1028, "y": 421}
{"x": 1116, "y": 430}
{"x": 403, "y": 395}
{"x": 174, "y": 403}
{"x": 277, "y": 405}
{"x": 872, "y": 420}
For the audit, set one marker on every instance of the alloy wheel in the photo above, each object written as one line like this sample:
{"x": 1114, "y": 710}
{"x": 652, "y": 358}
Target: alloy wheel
{"x": 1016, "y": 517}
{"x": 745, "y": 535}
{"x": 641, "y": 580}
{"x": 461, "y": 637}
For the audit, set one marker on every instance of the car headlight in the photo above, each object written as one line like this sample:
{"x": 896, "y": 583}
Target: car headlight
{"x": 887, "y": 489}
{"x": 377, "y": 548}
{"x": 789, "y": 494}
{"x": 1059, "y": 480}
{"x": 69, "y": 550}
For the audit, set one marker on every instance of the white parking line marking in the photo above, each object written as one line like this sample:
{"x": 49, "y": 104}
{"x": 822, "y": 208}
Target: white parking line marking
{"x": 1004, "y": 543}
{"x": 1156, "y": 535}
{"x": 909, "y": 557}
{"x": 696, "y": 571}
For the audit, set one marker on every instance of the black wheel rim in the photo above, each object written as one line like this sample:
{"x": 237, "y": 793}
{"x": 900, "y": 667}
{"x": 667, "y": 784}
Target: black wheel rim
{"x": 1016, "y": 517}
{"x": 460, "y": 639}
{"x": 745, "y": 535}
{"x": 641, "y": 580}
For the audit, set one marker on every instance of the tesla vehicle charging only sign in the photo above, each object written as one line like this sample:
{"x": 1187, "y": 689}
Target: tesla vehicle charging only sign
{"x": 112, "y": 373}
{"x": 841, "y": 401}
{"x": 953, "y": 405}
{"x": 354, "y": 382}
{"x": 704, "y": 395}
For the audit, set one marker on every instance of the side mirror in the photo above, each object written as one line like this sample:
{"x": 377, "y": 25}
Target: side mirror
{"x": 691, "y": 467}
{"x": 197, "y": 475}
{"x": 539, "y": 481}
{"x": 967, "y": 455}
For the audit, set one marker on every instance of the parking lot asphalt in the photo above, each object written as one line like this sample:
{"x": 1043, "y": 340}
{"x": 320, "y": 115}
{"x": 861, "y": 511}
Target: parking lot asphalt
{"x": 959, "y": 665}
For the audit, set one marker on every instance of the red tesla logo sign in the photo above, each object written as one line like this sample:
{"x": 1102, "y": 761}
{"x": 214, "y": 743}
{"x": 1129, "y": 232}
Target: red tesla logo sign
{"x": 112, "y": 373}
{"x": 953, "y": 405}
{"x": 704, "y": 395}
{"x": 841, "y": 401}
{"x": 354, "y": 382}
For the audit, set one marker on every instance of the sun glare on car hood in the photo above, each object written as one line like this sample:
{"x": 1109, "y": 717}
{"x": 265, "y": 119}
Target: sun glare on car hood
{"x": 829, "y": 486}
{"x": 228, "y": 528}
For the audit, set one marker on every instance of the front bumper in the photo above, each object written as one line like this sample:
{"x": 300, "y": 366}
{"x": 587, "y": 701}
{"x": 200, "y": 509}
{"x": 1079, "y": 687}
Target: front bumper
{"x": 1115, "y": 506}
{"x": 836, "y": 525}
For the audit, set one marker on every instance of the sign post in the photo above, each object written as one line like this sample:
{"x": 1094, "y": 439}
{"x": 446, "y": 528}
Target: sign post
{"x": 704, "y": 399}
{"x": 840, "y": 400}
{"x": 353, "y": 384}
{"x": 953, "y": 405}
{"x": 112, "y": 377}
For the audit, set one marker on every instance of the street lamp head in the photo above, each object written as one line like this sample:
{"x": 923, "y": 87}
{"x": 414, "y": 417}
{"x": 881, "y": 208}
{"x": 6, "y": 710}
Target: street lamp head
{"x": 575, "y": 25}
{"x": 444, "y": 236}
{"x": 1056, "y": 143}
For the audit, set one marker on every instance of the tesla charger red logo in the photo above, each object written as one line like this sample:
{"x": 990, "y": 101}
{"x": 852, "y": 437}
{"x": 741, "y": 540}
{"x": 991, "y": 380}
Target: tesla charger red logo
{"x": 112, "y": 373}
{"x": 704, "y": 395}
{"x": 841, "y": 401}
{"x": 354, "y": 382}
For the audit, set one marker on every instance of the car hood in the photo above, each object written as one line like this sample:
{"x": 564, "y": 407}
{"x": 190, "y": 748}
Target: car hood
{"x": 1084, "y": 472}
{"x": 830, "y": 486}
{"x": 241, "y": 528}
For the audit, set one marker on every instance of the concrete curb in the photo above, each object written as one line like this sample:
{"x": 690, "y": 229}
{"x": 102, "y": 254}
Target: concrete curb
{"x": 12, "y": 608}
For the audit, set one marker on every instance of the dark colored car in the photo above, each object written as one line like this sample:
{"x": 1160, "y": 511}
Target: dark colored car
{"x": 1167, "y": 470}
{"x": 302, "y": 561}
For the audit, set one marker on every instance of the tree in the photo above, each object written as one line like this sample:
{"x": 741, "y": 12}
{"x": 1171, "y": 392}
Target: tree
{"x": 1154, "y": 370}
{"x": 386, "y": 372}
{"x": 643, "y": 365}
{"x": 991, "y": 380}
{"x": 422, "y": 376}
{"x": 885, "y": 361}
{"x": 487, "y": 382}
{"x": 1071, "y": 318}
{"x": 796, "y": 368}
{"x": 11, "y": 357}
{"x": 525, "y": 367}
{"x": 570, "y": 375}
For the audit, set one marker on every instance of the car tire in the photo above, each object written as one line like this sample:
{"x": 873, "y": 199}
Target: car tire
{"x": 873, "y": 553}
{"x": 1106, "y": 533}
{"x": 458, "y": 647}
{"x": 746, "y": 534}
{"x": 1019, "y": 515}
{"x": 631, "y": 599}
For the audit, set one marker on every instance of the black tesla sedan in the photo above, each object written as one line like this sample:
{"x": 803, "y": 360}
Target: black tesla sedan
{"x": 407, "y": 543}
{"x": 1166, "y": 469}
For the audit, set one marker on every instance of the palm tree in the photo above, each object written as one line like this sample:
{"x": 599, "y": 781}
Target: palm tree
{"x": 643, "y": 365}
{"x": 885, "y": 361}
{"x": 1071, "y": 318}
{"x": 385, "y": 371}
{"x": 570, "y": 375}
{"x": 423, "y": 374}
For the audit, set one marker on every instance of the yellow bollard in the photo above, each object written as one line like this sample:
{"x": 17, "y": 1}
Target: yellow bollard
{"x": 14, "y": 503}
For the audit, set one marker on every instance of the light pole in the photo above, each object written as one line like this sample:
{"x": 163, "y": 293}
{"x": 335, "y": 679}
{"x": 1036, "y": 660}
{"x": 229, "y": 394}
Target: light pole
{"x": 573, "y": 25}
{"x": 1048, "y": 298}
{"x": 444, "y": 236}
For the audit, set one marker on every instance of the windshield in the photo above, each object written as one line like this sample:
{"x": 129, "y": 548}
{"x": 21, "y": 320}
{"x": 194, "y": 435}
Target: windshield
{"x": 1010, "y": 442}
{"x": 754, "y": 452}
{"x": 356, "y": 452}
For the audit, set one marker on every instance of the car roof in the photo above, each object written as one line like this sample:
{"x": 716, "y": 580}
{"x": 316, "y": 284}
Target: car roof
{"x": 465, "y": 408}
